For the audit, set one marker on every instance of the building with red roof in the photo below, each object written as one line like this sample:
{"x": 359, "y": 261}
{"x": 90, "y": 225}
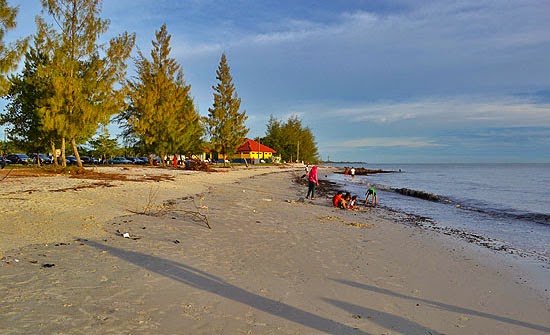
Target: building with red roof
{"x": 253, "y": 150}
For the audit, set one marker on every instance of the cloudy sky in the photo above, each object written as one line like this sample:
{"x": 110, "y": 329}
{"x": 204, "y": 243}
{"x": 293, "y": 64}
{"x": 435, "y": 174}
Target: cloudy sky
{"x": 376, "y": 81}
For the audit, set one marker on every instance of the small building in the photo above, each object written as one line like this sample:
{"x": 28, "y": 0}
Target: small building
{"x": 254, "y": 151}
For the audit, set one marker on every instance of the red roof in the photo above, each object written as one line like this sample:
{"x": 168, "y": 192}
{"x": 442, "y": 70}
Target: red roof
{"x": 251, "y": 145}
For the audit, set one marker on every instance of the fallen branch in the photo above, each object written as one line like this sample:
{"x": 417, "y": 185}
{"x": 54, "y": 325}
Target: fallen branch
{"x": 197, "y": 216}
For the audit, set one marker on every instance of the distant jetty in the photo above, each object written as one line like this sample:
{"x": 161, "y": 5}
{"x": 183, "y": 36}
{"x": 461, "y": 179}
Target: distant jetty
{"x": 363, "y": 171}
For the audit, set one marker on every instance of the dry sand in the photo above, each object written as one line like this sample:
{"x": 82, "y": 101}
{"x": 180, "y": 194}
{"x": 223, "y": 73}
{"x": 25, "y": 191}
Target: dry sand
{"x": 271, "y": 264}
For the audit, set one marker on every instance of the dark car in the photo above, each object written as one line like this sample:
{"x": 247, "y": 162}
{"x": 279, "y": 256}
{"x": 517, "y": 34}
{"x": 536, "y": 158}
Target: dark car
{"x": 89, "y": 160}
{"x": 43, "y": 158}
{"x": 136, "y": 160}
{"x": 71, "y": 159}
{"x": 156, "y": 160}
{"x": 118, "y": 160}
{"x": 19, "y": 159}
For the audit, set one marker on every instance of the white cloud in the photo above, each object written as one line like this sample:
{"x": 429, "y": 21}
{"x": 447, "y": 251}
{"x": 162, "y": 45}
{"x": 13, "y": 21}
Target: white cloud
{"x": 387, "y": 142}
{"x": 504, "y": 111}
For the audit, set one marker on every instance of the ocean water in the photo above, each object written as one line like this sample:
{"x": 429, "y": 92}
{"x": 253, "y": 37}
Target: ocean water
{"x": 506, "y": 203}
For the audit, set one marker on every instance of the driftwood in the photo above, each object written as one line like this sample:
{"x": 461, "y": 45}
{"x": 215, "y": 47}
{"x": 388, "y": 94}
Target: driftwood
{"x": 155, "y": 210}
{"x": 195, "y": 215}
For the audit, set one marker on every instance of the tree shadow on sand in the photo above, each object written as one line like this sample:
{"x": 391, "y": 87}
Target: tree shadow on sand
{"x": 385, "y": 320}
{"x": 209, "y": 283}
{"x": 445, "y": 306}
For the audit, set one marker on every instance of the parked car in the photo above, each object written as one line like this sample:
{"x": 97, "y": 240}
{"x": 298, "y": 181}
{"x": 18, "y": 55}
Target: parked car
{"x": 156, "y": 160}
{"x": 19, "y": 159}
{"x": 89, "y": 160}
{"x": 137, "y": 160}
{"x": 43, "y": 158}
{"x": 59, "y": 160}
{"x": 71, "y": 159}
{"x": 118, "y": 160}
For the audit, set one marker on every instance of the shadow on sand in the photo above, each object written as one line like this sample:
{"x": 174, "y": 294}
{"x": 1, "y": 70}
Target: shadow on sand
{"x": 451, "y": 308}
{"x": 385, "y": 320}
{"x": 209, "y": 283}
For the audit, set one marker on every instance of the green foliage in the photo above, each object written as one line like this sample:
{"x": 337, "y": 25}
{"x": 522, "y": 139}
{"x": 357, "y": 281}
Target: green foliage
{"x": 161, "y": 117}
{"x": 291, "y": 140}
{"x": 83, "y": 73}
{"x": 9, "y": 53}
{"x": 103, "y": 146}
{"x": 225, "y": 123}
{"x": 26, "y": 95}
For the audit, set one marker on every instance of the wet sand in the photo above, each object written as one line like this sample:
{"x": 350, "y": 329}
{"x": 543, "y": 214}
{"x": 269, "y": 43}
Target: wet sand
{"x": 271, "y": 264}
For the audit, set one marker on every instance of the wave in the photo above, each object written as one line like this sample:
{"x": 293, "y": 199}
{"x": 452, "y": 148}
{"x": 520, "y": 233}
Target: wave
{"x": 508, "y": 214}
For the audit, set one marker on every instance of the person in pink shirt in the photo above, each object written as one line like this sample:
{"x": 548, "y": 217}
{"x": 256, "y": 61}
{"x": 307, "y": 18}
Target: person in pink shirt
{"x": 312, "y": 182}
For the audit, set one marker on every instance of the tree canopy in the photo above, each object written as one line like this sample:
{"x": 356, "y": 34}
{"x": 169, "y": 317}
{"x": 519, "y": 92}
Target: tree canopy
{"x": 26, "y": 95}
{"x": 225, "y": 123}
{"x": 162, "y": 116}
{"x": 10, "y": 54}
{"x": 83, "y": 73}
{"x": 292, "y": 140}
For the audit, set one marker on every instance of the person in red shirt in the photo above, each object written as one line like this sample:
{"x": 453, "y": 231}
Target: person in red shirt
{"x": 338, "y": 200}
{"x": 313, "y": 181}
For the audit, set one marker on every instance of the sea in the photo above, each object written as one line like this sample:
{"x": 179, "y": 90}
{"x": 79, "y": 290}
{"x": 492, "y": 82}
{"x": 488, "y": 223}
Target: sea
{"x": 507, "y": 205}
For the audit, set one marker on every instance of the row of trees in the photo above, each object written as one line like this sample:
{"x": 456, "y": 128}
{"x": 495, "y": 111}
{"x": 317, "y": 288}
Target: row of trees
{"x": 291, "y": 140}
{"x": 71, "y": 84}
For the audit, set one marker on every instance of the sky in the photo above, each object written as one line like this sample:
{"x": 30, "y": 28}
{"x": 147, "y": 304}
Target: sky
{"x": 376, "y": 81}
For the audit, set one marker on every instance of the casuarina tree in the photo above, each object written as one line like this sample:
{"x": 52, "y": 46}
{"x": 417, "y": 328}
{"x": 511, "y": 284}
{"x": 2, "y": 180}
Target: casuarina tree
{"x": 85, "y": 75}
{"x": 225, "y": 123}
{"x": 10, "y": 54}
{"x": 161, "y": 115}
{"x": 27, "y": 94}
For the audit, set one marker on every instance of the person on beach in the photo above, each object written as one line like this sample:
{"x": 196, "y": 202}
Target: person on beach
{"x": 347, "y": 197}
{"x": 306, "y": 171}
{"x": 352, "y": 172}
{"x": 338, "y": 200}
{"x": 352, "y": 202}
{"x": 313, "y": 181}
{"x": 371, "y": 192}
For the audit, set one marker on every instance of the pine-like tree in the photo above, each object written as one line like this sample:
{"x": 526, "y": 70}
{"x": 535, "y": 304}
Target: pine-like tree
{"x": 225, "y": 123}
{"x": 162, "y": 115}
{"x": 103, "y": 146}
{"x": 27, "y": 94}
{"x": 10, "y": 54}
{"x": 84, "y": 74}
{"x": 274, "y": 136}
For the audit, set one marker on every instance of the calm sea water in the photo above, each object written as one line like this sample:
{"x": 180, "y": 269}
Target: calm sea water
{"x": 509, "y": 203}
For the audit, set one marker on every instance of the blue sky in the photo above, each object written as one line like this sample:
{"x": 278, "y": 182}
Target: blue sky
{"x": 376, "y": 81}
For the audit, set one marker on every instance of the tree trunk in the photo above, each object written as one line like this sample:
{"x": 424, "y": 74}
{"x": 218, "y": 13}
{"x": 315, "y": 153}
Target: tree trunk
{"x": 63, "y": 159}
{"x": 163, "y": 156}
{"x": 75, "y": 149}
{"x": 52, "y": 143}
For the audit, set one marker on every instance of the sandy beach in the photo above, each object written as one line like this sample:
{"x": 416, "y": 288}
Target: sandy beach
{"x": 101, "y": 255}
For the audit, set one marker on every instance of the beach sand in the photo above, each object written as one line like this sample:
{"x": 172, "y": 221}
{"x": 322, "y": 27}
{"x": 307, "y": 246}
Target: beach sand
{"x": 271, "y": 264}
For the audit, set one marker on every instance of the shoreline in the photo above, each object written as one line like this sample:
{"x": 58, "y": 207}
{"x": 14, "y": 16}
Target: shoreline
{"x": 271, "y": 264}
{"x": 535, "y": 268}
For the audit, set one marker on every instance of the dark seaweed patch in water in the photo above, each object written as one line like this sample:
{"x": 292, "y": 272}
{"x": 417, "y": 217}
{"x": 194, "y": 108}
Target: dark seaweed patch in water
{"x": 501, "y": 213}
{"x": 417, "y": 194}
